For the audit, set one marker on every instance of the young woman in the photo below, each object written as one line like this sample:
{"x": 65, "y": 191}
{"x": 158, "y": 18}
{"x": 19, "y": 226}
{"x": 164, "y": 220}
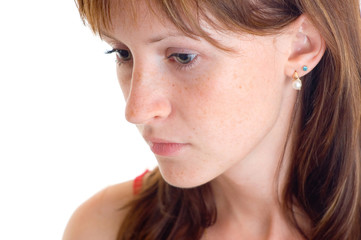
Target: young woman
{"x": 252, "y": 109}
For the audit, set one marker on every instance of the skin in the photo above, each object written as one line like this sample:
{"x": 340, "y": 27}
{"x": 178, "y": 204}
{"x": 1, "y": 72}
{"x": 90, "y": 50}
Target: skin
{"x": 224, "y": 106}
{"x": 232, "y": 112}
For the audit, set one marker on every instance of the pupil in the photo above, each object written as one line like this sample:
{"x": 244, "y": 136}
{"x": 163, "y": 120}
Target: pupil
{"x": 183, "y": 57}
{"x": 124, "y": 54}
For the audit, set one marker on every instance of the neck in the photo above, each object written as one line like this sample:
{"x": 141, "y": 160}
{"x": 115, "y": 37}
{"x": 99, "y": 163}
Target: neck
{"x": 253, "y": 188}
{"x": 249, "y": 203}
{"x": 248, "y": 196}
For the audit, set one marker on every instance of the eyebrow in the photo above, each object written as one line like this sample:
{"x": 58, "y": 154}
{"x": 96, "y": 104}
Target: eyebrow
{"x": 154, "y": 39}
{"x": 101, "y": 34}
{"x": 163, "y": 37}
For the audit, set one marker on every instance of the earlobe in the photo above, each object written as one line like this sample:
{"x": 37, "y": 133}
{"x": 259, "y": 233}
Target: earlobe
{"x": 307, "y": 48}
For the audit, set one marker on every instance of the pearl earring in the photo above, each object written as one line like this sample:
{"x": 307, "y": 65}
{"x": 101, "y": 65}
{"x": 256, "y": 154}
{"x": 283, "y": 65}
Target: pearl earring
{"x": 296, "y": 83}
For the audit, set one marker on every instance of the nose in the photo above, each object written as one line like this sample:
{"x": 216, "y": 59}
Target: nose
{"x": 147, "y": 99}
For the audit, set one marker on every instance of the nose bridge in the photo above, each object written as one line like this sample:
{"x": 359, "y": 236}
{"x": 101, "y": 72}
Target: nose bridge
{"x": 147, "y": 99}
{"x": 143, "y": 81}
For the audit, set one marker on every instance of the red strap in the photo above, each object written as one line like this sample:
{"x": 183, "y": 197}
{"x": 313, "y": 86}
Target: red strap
{"x": 138, "y": 182}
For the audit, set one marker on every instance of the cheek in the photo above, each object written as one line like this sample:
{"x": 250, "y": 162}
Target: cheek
{"x": 234, "y": 103}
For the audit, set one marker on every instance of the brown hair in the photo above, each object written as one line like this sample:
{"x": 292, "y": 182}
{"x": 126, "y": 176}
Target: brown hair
{"x": 325, "y": 173}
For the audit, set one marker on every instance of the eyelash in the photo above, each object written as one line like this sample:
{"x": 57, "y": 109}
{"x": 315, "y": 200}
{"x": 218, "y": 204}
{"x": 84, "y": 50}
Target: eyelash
{"x": 119, "y": 59}
{"x": 184, "y": 66}
{"x": 180, "y": 66}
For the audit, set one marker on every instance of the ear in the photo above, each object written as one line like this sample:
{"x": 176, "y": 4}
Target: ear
{"x": 307, "y": 47}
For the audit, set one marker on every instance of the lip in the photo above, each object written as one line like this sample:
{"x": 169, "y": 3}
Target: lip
{"x": 165, "y": 148}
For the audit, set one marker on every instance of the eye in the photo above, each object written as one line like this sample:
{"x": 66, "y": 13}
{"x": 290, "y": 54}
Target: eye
{"x": 122, "y": 55}
{"x": 183, "y": 58}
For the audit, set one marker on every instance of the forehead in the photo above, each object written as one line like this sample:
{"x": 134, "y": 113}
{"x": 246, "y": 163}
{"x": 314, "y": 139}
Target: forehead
{"x": 128, "y": 15}
{"x": 152, "y": 17}
{"x": 132, "y": 24}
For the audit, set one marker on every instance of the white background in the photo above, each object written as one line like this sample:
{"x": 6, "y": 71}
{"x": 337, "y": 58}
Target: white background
{"x": 63, "y": 136}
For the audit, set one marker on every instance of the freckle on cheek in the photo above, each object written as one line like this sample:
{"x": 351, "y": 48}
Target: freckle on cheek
{"x": 235, "y": 76}
{"x": 131, "y": 112}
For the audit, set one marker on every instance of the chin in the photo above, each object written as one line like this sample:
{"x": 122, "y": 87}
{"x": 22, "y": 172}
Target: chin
{"x": 179, "y": 178}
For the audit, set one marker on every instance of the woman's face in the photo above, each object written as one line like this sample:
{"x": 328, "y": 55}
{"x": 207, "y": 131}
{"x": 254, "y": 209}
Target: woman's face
{"x": 202, "y": 110}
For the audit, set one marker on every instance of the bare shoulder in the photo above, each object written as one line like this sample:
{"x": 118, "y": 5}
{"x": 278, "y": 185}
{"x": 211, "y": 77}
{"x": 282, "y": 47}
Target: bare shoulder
{"x": 100, "y": 216}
